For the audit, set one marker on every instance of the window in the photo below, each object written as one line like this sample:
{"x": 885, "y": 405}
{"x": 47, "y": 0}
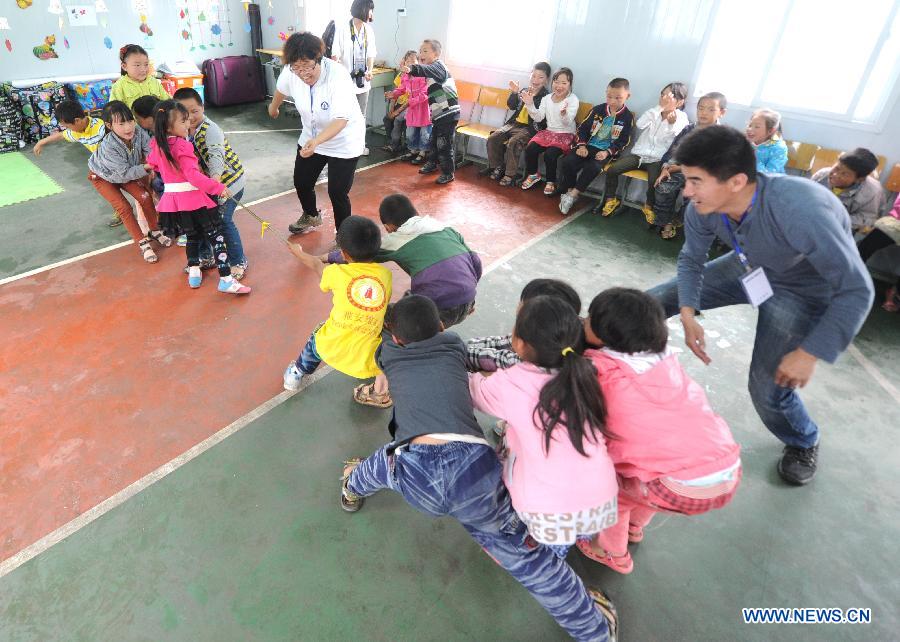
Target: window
{"x": 820, "y": 57}
{"x": 320, "y": 12}
{"x": 488, "y": 34}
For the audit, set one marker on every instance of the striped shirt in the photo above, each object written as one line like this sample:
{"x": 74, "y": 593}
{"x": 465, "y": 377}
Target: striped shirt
{"x": 216, "y": 155}
{"x": 90, "y": 137}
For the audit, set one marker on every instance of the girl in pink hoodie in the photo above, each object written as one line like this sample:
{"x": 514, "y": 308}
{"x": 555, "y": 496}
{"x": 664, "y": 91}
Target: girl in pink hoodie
{"x": 185, "y": 207}
{"x": 560, "y": 478}
{"x": 672, "y": 453}
{"x": 418, "y": 114}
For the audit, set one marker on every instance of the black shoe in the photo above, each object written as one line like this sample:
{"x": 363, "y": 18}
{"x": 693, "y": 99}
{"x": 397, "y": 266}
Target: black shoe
{"x": 428, "y": 168}
{"x": 798, "y": 465}
{"x": 443, "y": 179}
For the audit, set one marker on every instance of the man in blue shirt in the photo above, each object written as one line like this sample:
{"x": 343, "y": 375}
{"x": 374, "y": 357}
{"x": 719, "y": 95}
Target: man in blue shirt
{"x": 794, "y": 258}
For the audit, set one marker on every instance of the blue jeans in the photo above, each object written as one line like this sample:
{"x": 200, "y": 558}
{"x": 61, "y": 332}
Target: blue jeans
{"x": 230, "y": 232}
{"x": 309, "y": 358}
{"x": 784, "y": 321}
{"x": 418, "y": 138}
{"x": 464, "y": 481}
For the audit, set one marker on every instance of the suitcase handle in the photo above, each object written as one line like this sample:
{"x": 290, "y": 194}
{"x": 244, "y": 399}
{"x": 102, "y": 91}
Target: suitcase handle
{"x": 224, "y": 69}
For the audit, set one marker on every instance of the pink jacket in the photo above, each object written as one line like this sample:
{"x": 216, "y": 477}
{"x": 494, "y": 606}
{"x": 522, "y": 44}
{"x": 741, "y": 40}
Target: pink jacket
{"x": 660, "y": 422}
{"x": 418, "y": 113}
{"x": 188, "y": 171}
{"x": 559, "y": 482}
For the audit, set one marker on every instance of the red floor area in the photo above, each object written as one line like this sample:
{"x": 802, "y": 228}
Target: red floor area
{"x": 111, "y": 367}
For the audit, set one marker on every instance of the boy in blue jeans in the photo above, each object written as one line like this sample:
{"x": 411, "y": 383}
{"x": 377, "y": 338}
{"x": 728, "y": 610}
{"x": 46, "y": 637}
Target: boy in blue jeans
{"x": 435, "y": 437}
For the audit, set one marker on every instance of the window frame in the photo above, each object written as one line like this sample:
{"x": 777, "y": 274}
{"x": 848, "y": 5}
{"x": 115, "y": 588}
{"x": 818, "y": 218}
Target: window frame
{"x": 803, "y": 114}
{"x": 499, "y": 68}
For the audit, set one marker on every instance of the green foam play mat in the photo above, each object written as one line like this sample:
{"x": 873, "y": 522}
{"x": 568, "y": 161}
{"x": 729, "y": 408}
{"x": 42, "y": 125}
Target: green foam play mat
{"x": 22, "y": 180}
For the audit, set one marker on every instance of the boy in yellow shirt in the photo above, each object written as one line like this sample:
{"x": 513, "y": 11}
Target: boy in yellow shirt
{"x": 361, "y": 290}
{"x": 77, "y": 127}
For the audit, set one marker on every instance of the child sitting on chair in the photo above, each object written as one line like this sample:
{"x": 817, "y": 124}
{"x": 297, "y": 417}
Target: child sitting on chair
{"x": 764, "y": 131}
{"x": 505, "y": 145}
{"x": 657, "y": 127}
{"x": 851, "y": 180}
{"x": 440, "y": 462}
{"x": 395, "y": 118}
{"x": 601, "y": 138}
{"x": 360, "y": 291}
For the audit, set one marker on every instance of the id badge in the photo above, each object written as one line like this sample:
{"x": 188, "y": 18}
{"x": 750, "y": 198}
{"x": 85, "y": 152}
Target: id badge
{"x": 756, "y": 287}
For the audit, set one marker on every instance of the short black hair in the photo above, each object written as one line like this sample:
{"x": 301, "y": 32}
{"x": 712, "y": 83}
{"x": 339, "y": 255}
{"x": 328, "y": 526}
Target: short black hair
{"x": 188, "y": 93}
{"x": 360, "y": 9}
{"x": 303, "y": 46}
{"x": 116, "y": 110}
{"x": 717, "y": 96}
{"x": 414, "y": 318}
{"x": 678, "y": 89}
{"x": 860, "y": 161}
{"x": 359, "y": 238}
{"x": 720, "y": 151}
{"x": 145, "y": 106}
{"x": 396, "y": 209}
{"x": 67, "y": 111}
{"x": 628, "y": 320}
{"x": 552, "y": 287}
{"x": 543, "y": 66}
{"x": 619, "y": 83}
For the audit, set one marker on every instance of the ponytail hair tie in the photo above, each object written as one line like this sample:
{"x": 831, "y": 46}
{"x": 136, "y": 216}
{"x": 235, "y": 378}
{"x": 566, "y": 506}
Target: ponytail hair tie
{"x": 567, "y": 350}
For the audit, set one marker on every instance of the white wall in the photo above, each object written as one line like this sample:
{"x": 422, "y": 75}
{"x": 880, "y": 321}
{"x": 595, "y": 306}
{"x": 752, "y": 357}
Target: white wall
{"x": 650, "y": 42}
{"x": 87, "y": 53}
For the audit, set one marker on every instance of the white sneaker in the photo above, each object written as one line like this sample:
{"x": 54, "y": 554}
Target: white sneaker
{"x": 365, "y": 151}
{"x": 566, "y": 201}
{"x": 293, "y": 377}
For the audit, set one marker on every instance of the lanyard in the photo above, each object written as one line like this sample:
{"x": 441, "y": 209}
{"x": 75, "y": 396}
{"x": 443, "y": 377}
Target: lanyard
{"x": 742, "y": 257}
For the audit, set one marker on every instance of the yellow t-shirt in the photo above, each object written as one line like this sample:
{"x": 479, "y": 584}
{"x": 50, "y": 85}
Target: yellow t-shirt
{"x": 523, "y": 116}
{"x": 128, "y": 90}
{"x": 402, "y": 100}
{"x": 348, "y": 339}
{"x": 90, "y": 137}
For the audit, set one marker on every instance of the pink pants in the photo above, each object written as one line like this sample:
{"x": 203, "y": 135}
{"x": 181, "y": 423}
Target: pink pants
{"x": 640, "y": 501}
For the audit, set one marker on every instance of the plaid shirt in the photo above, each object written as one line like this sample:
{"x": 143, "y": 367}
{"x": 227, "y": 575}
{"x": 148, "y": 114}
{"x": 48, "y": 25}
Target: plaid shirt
{"x": 489, "y": 354}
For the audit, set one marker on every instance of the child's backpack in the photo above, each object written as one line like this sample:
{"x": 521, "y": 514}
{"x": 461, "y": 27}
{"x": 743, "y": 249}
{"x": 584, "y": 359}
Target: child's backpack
{"x": 91, "y": 95}
{"x": 37, "y": 105}
{"x": 10, "y": 124}
{"x": 328, "y": 38}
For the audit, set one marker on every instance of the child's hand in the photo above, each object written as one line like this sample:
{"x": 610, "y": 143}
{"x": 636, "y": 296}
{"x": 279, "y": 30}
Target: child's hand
{"x": 663, "y": 176}
{"x": 226, "y": 193}
{"x": 405, "y": 69}
{"x": 514, "y": 86}
{"x": 37, "y": 147}
{"x": 581, "y": 151}
{"x": 148, "y": 167}
{"x": 528, "y": 97}
{"x": 601, "y": 155}
{"x": 273, "y": 110}
{"x": 296, "y": 250}
{"x": 564, "y": 110}
{"x": 671, "y": 117}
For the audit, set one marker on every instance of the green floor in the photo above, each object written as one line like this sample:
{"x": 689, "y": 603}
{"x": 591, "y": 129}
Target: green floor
{"x": 54, "y": 228}
{"x": 247, "y": 542}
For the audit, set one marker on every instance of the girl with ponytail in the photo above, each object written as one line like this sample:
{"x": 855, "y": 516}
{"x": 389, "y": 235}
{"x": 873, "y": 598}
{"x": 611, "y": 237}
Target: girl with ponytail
{"x": 556, "y": 468}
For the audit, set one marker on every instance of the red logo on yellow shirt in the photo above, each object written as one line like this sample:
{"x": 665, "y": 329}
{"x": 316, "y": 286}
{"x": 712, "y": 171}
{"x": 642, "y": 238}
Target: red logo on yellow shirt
{"x": 367, "y": 293}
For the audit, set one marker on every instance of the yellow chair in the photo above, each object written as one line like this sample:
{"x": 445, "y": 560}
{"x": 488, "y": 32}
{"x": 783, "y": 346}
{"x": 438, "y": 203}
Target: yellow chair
{"x": 882, "y": 161}
{"x": 893, "y": 181}
{"x": 801, "y": 155}
{"x": 824, "y": 158}
{"x": 488, "y": 98}
{"x": 583, "y": 110}
{"x": 467, "y": 92}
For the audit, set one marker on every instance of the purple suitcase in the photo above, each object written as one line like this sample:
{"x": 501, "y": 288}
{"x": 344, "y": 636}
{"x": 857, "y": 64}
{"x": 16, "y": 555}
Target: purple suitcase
{"x": 232, "y": 80}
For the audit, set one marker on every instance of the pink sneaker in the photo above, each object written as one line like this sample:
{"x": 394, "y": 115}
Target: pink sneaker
{"x": 233, "y": 287}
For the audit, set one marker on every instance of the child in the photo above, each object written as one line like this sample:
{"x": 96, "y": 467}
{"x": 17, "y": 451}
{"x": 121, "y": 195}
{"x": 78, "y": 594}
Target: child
{"x": 886, "y": 232}
{"x": 360, "y": 289}
{"x": 395, "y": 119}
{"x": 78, "y": 127}
{"x": 764, "y": 131}
{"x": 117, "y": 165}
{"x": 658, "y": 128}
{"x": 710, "y": 110}
{"x": 417, "y": 115}
{"x": 136, "y": 80}
{"x": 222, "y": 164}
{"x": 144, "y": 109}
{"x": 489, "y": 354}
{"x": 558, "y": 112}
{"x": 851, "y": 181}
{"x": 505, "y": 145}
{"x": 435, "y": 437}
{"x": 671, "y": 451}
{"x": 558, "y": 473}
{"x": 443, "y": 103}
{"x": 601, "y": 137}
{"x": 185, "y": 206}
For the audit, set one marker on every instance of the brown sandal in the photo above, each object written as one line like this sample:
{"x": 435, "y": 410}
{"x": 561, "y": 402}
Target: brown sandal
{"x": 365, "y": 394}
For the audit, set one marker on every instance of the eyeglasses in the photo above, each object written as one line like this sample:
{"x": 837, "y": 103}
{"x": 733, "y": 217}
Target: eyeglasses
{"x": 305, "y": 70}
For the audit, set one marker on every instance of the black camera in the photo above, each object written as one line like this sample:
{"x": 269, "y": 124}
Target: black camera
{"x": 359, "y": 77}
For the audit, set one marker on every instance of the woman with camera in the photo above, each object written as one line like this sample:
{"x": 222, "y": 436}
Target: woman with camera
{"x": 354, "y": 47}
{"x": 334, "y": 133}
